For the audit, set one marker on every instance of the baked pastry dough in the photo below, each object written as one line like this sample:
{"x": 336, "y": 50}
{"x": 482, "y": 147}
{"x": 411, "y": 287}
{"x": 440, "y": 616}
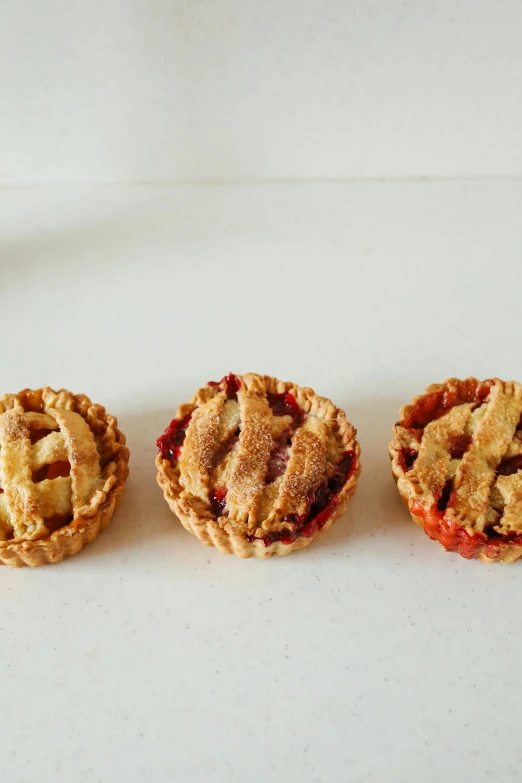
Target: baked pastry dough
{"x": 457, "y": 459}
{"x": 258, "y": 467}
{"x": 63, "y": 466}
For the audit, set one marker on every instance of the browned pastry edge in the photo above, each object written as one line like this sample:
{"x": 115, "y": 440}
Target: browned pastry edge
{"x": 210, "y": 533}
{"x": 508, "y": 553}
{"x": 198, "y": 520}
{"x": 69, "y": 539}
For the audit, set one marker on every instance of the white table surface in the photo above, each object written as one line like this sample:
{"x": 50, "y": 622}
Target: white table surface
{"x": 372, "y": 655}
{"x": 119, "y": 91}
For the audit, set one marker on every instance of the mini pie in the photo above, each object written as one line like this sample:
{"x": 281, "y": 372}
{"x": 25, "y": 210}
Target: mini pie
{"x": 258, "y": 467}
{"x": 63, "y": 466}
{"x": 457, "y": 458}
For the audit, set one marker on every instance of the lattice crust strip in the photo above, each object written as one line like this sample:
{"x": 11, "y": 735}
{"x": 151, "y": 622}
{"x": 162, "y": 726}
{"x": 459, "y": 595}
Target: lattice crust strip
{"x": 306, "y": 467}
{"x": 201, "y": 441}
{"x": 266, "y": 460}
{"x": 63, "y": 466}
{"x": 247, "y": 479}
{"x": 476, "y": 474}
{"x": 433, "y": 464}
{"x": 481, "y": 498}
{"x": 211, "y": 425}
{"x": 24, "y": 504}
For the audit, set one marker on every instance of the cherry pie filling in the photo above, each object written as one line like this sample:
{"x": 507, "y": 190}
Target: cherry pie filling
{"x": 437, "y": 525}
{"x": 407, "y": 459}
{"x": 218, "y": 500}
{"x": 230, "y": 383}
{"x": 279, "y": 457}
{"x": 283, "y": 404}
{"x": 322, "y": 502}
{"x": 436, "y": 404}
{"x": 170, "y": 443}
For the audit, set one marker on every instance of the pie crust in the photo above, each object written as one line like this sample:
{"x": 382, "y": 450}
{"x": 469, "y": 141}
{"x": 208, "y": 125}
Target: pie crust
{"x": 457, "y": 459}
{"x": 258, "y": 467}
{"x": 63, "y": 466}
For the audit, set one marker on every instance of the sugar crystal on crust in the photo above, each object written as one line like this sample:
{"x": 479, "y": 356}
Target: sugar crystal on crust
{"x": 277, "y": 459}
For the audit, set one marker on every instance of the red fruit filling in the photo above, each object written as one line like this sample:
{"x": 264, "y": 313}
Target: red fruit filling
{"x": 231, "y": 384}
{"x": 285, "y": 404}
{"x": 455, "y": 538}
{"x": 51, "y": 471}
{"x": 171, "y": 441}
{"x": 36, "y": 435}
{"x": 279, "y": 457}
{"x": 218, "y": 500}
{"x": 437, "y": 524}
{"x": 56, "y": 522}
{"x": 407, "y": 458}
{"x": 432, "y": 406}
{"x": 226, "y": 447}
{"x": 322, "y": 502}
{"x": 460, "y": 445}
{"x": 443, "y": 501}
{"x": 509, "y": 466}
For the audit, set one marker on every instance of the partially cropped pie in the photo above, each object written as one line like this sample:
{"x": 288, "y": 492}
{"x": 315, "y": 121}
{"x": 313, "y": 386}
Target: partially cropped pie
{"x": 457, "y": 458}
{"x": 63, "y": 466}
{"x": 258, "y": 467}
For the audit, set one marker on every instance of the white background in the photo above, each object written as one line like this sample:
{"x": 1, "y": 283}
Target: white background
{"x": 148, "y": 90}
{"x": 372, "y": 655}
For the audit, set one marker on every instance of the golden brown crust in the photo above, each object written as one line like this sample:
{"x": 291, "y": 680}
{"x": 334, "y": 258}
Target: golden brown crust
{"x": 305, "y": 467}
{"x": 256, "y": 509}
{"x": 454, "y": 486}
{"x": 247, "y": 478}
{"x": 85, "y": 436}
{"x": 201, "y": 439}
{"x": 211, "y": 534}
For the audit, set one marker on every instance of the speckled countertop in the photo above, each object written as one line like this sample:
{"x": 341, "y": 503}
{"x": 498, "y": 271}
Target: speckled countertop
{"x": 370, "y": 656}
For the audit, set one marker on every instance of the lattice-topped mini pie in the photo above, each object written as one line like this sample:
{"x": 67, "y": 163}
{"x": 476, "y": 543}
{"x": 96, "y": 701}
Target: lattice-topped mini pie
{"x": 457, "y": 459}
{"x": 258, "y": 467}
{"x": 63, "y": 466}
